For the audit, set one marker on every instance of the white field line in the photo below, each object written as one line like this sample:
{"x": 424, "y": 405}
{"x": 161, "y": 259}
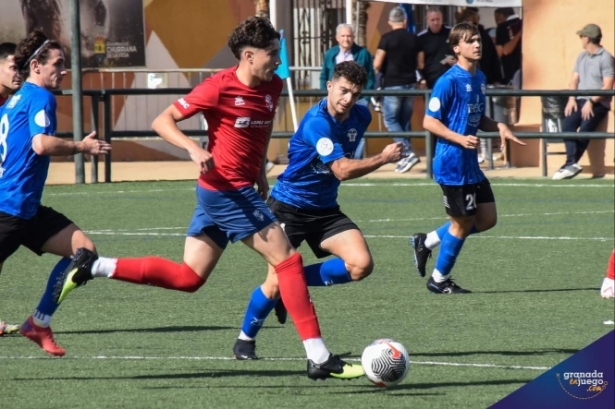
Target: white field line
{"x": 367, "y": 236}
{"x": 482, "y": 236}
{"x": 402, "y": 184}
{"x": 398, "y": 184}
{"x": 153, "y": 231}
{"x": 501, "y": 215}
{"x": 135, "y": 232}
{"x": 226, "y": 358}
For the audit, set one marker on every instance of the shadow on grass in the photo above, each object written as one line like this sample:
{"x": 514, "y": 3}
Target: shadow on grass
{"x": 226, "y": 373}
{"x": 177, "y": 328}
{"x": 506, "y": 353}
{"x": 358, "y": 388}
{"x": 408, "y": 388}
{"x": 536, "y": 290}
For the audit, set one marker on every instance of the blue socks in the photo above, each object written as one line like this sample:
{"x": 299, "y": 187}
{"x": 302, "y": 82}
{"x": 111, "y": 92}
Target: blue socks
{"x": 258, "y": 309}
{"x": 449, "y": 250}
{"x": 328, "y": 273}
{"x": 317, "y": 275}
{"x": 443, "y": 230}
{"x": 48, "y": 305}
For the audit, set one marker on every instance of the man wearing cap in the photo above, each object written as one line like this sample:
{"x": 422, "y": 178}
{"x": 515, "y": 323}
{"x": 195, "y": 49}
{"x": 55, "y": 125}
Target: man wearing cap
{"x": 396, "y": 59}
{"x": 592, "y": 70}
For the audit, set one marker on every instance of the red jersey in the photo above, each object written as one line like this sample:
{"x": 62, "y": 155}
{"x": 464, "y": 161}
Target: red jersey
{"x": 238, "y": 119}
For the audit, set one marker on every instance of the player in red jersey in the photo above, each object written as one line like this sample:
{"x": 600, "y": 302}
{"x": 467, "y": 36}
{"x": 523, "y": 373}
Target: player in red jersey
{"x": 239, "y": 105}
{"x": 607, "y": 291}
{"x": 10, "y": 81}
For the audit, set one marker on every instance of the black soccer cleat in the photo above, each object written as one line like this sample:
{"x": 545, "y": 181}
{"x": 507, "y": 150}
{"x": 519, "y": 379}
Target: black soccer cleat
{"x": 445, "y": 287}
{"x": 78, "y": 272}
{"x": 245, "y": 350}
{"x": 334, "y": 367}
{"x": 421, "y": 252}
{"x": 280, "y": 312}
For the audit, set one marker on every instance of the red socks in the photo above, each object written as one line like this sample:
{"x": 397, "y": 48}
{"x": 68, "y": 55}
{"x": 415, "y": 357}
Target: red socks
{"x": 296, "y": 298}
{"x": 610, "y": 272}
{"x": 158, "y": 272}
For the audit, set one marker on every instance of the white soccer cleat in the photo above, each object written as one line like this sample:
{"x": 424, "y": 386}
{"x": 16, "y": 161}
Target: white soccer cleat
{"x": 607, "y": 288}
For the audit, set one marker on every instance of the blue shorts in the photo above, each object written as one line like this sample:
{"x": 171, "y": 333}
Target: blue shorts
{"x": 229, "y": 215}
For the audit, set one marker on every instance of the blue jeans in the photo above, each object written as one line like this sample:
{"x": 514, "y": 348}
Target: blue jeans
{"x": 397, "y": 112}
{"x": 575, "y": 148}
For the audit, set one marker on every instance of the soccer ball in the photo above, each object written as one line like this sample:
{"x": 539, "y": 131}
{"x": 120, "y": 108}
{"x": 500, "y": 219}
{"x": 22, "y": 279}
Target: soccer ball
{"x": 385, "y": 362}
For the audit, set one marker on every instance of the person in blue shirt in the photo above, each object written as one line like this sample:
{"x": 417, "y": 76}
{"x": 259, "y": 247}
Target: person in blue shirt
{"x": 27, "y": 128}
{"x": 304, "y": 200}
{"x": 455, "y": 112}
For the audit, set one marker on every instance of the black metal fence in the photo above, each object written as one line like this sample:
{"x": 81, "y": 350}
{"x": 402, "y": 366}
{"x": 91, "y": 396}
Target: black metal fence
{"x": 104, "y": 97}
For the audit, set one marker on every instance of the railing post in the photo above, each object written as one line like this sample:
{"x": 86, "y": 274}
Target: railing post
{"x": 107, "y": 119}
{"x": 489, "y": 153}
{"x": 94, "y": 98}
{"x": 428, "y": 145}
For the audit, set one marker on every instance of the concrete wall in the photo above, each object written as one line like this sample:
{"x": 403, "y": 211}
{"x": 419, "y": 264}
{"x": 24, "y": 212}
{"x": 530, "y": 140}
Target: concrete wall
{"x": 550, "y": 48}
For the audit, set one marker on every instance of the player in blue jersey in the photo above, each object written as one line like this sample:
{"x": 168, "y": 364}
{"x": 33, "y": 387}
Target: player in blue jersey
{"x": 10, "y": 81}
{"x": 456, "y": 111}
{"x": 27, "y": 128}
{"x": 304, "y": 200}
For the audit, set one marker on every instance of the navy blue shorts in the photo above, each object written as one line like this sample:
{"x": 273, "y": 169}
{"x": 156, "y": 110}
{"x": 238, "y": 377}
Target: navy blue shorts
{"x": 229, "y": 215}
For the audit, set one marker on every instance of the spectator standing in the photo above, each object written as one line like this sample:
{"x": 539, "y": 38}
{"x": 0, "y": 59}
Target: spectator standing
{"x": 435, "y": 56}
{"x": 396, "y": 58}
{"x": 592, "y": 70}
{"x": 508, "y": 44}
{"x": 347, "y": 50}
{"x": 489, "y": 62}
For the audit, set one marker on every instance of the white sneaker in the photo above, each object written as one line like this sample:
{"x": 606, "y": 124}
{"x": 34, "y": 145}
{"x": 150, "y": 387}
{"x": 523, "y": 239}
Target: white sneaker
{"x": 607, "y": 288}
{"x": 406, "y": 164}
{"x": 568, "y": 172}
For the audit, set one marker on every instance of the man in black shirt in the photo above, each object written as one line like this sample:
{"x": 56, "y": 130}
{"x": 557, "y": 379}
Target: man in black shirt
{"x": 396, "y": 58}
{"x": 508, "y": 41}
{"x": 435, "y": 56}
{"x": 489, "y": 62}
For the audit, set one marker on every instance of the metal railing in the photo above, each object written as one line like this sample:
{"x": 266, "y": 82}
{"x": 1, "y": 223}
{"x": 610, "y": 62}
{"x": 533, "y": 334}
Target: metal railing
{"x": 104, "y": 96}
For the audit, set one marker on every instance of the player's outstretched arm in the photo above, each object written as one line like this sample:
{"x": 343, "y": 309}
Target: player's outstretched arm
{"x": 165, "y": 125}
{"x": 436, "y": 127}
{"x": 46, "y": 145}
{"x": 489, "y": 125}
{"x": 346, "y": 169}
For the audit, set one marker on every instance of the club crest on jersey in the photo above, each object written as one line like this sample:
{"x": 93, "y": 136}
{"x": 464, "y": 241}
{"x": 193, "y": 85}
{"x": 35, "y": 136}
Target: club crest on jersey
{"x": 269, "y": 102}
{"x": 468, "y": 87}
{"x": 239, "y": 101}
{"x": 352, "y": 135}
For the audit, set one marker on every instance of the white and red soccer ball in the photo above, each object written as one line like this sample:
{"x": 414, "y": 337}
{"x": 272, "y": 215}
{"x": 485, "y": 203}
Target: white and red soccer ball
{"x": 385, "y": 362}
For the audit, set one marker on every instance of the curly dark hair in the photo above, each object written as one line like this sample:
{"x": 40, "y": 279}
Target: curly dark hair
{"x": 353, "y": 72}
{"x": 35, "y": 46}
{"x": 257, "y": 32}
